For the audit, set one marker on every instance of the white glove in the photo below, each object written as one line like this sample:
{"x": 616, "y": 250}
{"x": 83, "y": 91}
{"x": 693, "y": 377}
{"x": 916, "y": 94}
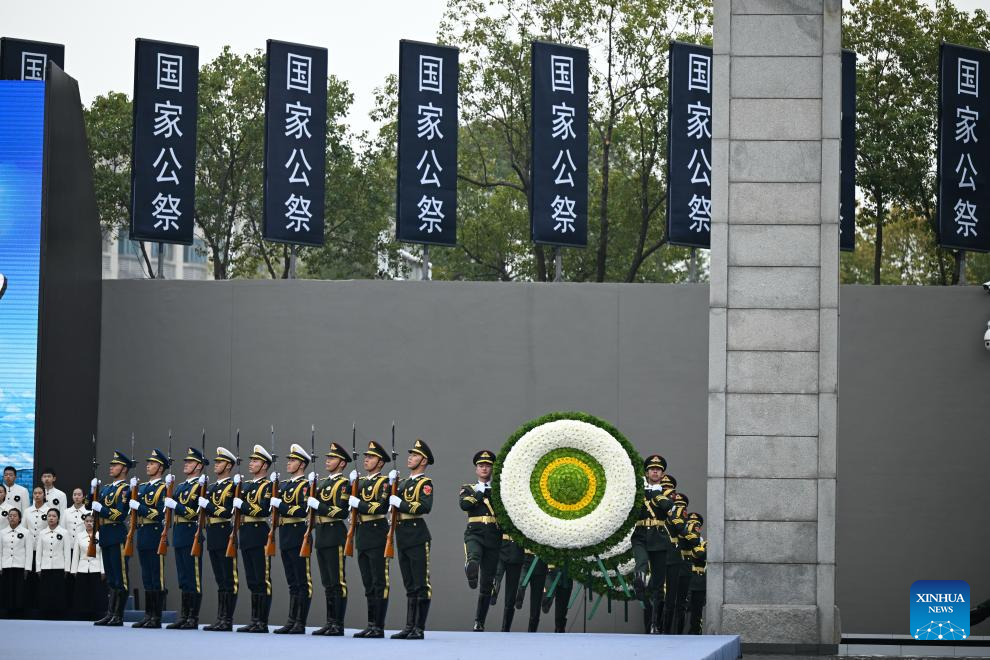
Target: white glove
{"x": 169, "y": 478}
{"x": 203, "y": 502}
{"x": 273, "y": 476}
{"x": 97, "y": 507}
{"x": 392, "y": 475}
{"x": 202, "y": 479}
{"x": 353, "y": 501}
{"x": 479, "y": 487}
{"x": 313, "y": 503}
{"x": 170, "y": 503}
{"x": 134, "y": 504}
{"x": 94, "y": 483}
{"x": 353, "y": 475}
{"x": 133, "y": 482}
{"x": 276, "y": 502}
{"x": 311, "y": 476}
{"x": 238, "y": 502}
{"x": 395, "y": 500}
{"x": 237, "y": 479}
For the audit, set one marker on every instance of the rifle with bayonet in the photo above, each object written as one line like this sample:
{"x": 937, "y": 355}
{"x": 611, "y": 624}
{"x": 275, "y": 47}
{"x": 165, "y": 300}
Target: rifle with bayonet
{"x": 129, "y": 544}
{"x": 270, "y": 545}
{"x": 197, "y": 546}
{"x": 306, "y": 550}
{"x": 91, "y": 550}
{"x": 349, "y": 544}
{"x": 390, "y": 541}
{"x": 232, "y": 541}
{"x": 163, "y": 541}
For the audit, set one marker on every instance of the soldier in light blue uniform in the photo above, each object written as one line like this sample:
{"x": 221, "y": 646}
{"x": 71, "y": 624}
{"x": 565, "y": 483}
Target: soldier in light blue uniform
{"x": 111, "y": 506}
{"x": 185, "y": 511}
{"x": 150, "y": 508}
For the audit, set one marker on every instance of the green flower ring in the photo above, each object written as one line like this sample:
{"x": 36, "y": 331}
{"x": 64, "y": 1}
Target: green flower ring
{"x": 565, "y": 483}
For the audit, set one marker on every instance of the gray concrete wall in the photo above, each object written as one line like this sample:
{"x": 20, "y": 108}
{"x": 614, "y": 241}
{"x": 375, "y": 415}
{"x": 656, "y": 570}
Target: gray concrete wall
{"x": 463, "y": 364}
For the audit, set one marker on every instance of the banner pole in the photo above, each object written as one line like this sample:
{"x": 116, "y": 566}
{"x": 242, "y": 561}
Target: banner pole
{"x": 161, "y": 261}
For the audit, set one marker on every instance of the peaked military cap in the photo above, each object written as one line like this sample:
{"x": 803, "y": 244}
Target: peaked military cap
{"x": 680, "y": 498}
{"x": 158, "y": 456}
{"x": 120, "y": 458}
{"x": 668, "y": 479}
{"x": 261, "y": 454}
{"x": 694, "y": 515}
{"x": 194, "y": 454}
{"x": 484, "y": 456}
{"x": 375, "y": 449}
{"x": 338, "y": 452}
{"x": 224, "y": 454}
{"x": 296, "y": 451}
{"x": 423, "y": 450}
{"x": 655, "y": 461}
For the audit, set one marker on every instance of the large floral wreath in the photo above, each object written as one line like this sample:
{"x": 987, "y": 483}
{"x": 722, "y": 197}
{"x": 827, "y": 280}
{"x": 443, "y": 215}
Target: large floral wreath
{"x": 567, "y": 486}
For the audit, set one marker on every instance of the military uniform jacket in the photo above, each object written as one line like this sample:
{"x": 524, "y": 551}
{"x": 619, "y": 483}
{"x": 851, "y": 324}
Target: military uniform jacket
{"x": 650, "y": 531}
{"x": 372, "y": 531}
{"x": 114, "y": 499}
{"x": 416, "y": 494}
{"x": 53, "y": 548}
{"x": 219, "y": 509}
{"x": 699, "y": 562}
{"x": 257, "y": 496}
{"x": 151, "y": 513}
{"x": 332, "y": 493}
{"x": 16, "y": 548}
{"x": 479, "y": 505}
{"x": 186, "y": 512}
{"x": 292, "y": 511}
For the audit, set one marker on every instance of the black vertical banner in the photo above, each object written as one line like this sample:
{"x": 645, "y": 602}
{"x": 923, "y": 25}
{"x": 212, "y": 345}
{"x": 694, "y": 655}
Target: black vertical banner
{"x": 163, "y": 156}
{"x": 963, "y": 156}
{"x": 847, "y": 158}
{"x": 558, "y": 196}
{"x": 426, "y": 185}
{"x": 28, "y": 60}
{"x": 295, "y": 143}
{"x": 689, "y": 146}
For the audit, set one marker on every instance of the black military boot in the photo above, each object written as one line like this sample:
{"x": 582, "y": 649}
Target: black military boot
{"x": 379, "y": 631}
{"x": 325, "y": 630}
{"x": 372, "y": 617}
{"x": 481, "y": 613}
{"x": 411, "y": 604}
{"x": 118, "y": 611}
{"x": 679, "y": 617}
{"x": 647, "y": 616}
{"x": 185, "y": 600}
{"x": 192, "y": 618}
{"x": 560, "y": 620}
{"x": 471, "y": 571}
{"x": 668, "y": 620}
{"x": 339, "y": 609}
{"x": 657, "y": 619}
{"x": 293, "y": 609}
{"x": 255, "y": 607}
{"x": 221, "y": 612}
{"x": 422, "y": 611}
{"x": 302, "y": 613}
{"x": 228, "y": 612}
{"x": 697, "y": 613}
{"x": 639, "y": 584}
{"x": 507, "y": 614}
{"x": 147, "y": 612}
{"x": 111, "y": 608}
{"x": 534, "y": 623}
{"x": 156, "y": 602}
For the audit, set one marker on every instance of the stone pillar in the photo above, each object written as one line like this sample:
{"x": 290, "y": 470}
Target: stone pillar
{"x": 773, "y": 334}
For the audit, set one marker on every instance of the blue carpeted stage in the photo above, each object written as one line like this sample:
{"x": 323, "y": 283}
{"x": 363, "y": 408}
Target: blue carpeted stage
{"x": 43, "y": 640}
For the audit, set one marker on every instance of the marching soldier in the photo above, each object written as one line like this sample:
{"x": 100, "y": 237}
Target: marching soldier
{"x": 218, "y": 504}
{"x": 414, "y": 500}
{"x": 254, "y": 503}
{"x": 649, "y": 546}
{"x": 560, "y": 597}
{"x": 185, "y": 508}
{"x": 483, "y": 537}
{"x": 291, "y": 506}
{"x": 112, "y": 507}
{"x": 678, "y": 572}
{"x": 536, "y": 585}
{"x": 371, "y": 536}
{"x": 330, "y": 504}
{"x": 696, "y": 602}
{"x": 510, "y": 561}
{"x": 150, "y": 508}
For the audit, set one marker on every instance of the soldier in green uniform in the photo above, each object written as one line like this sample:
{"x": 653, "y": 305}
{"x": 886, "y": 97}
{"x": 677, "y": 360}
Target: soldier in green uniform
{"x": 537, "y": 584}
{"x": 330, "y": 504}
{"x": 413, "y": 501}
{"x": 483, "y": 537}
{"x": 696, "y": 602}
{"x": 253, "y": 504}
{"x": 510, "y": 562}
{"x": 291, "y": 505}
{"x": 649, "y": 546}
{"x": 218, "y": 503}
{"x": 371, "y": 536}
{"x": 111, "y": 506}
{"x": 678, "y": 569}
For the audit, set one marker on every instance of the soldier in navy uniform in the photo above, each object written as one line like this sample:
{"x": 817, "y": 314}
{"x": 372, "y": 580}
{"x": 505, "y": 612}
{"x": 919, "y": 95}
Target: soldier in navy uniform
{"x": 330, "y": 504}
{"x": 254, "y": 504}
{"x": 371, "y": 535}
{"x": 150, "y": 508}
{"x": 219, "y": 506}
{"x": 649, "y": 546}
{"x": 184, "y": 504}
{"x": 292, "y": 507}
{"x": 111, "y": 506}
{"x": 698, "y": 587}
{"x": 483, "y": 536}
{"x": 413, "y": 501}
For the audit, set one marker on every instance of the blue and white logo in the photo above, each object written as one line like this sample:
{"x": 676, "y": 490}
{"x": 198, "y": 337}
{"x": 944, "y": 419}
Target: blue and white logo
{"x": 940, "y": 610}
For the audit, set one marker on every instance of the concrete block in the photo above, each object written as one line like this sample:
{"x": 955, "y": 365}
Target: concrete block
{"x": 831, "y": 108}
{"x": 721, "y": 22}
{"x": 770, "y": 584}
{"x": 827, "y": 611}
{"x": 774, "y": 245}
{"x": 832, "y": 27}
{"x": 721, "y": 84}
{"x": 775, "y": 162}
{"x": 776, "y": 77}
{"x": 716, "y": 349}
{"x": 715, "y": 519}
{"x": 720, "y": 181}
{"x": 771, "y": 414}
{"x": 718, "y": 269}
{"x": 775, "y": 203}
{"x": 716, "y": 434}
{"x": 827, "y": 432}
{"x": 830, "y": 178}
{"x": 772, "y": 372}
{"x": 771, "y": 499}
{"x": 771, "y": 624}
{"x": 772, "y": 330}
{"x": 776, "y": 119}
{"x": 780, "y": 35}
{"x": 778, "y": 457}
{"x": 713, "y": 601}
{"x": 777, "y": 7}
{"x": 770, "y": 542}
{"x": 773, "y": 288}
{"x": 829, "y": 272}
{"x": 828, "y": 357}
{"x": 826, "y": 522}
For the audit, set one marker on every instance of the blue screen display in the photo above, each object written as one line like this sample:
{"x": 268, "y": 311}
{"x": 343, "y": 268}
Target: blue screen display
{"x": 22, "y": 120}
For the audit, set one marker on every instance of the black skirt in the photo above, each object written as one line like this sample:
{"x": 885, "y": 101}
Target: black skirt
{"x": 89, "y": 596}
{"x": 12, "y": 592}
{"x": 51, "y": 593}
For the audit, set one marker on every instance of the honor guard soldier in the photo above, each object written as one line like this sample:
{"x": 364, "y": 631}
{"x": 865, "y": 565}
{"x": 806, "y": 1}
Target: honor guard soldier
{"x": 112, "y": 508}
{"x": 678, "y": 571}
{"x": 330, "y": 505}
{"x": 371, "y": 536}
{"x": 649, "y": 546}
{"x": 483, "y": 537}
{"x": 291, "y": 505}
{"x": 413, "y": 501}
{"x": 254, "y": 504}
{"x": 150, "y": 508}
{"x": 218, "y": 503}
{"x": 185, "y": 510}
{"x": 510, "y": 561}
{"x": 696, "y": 602}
